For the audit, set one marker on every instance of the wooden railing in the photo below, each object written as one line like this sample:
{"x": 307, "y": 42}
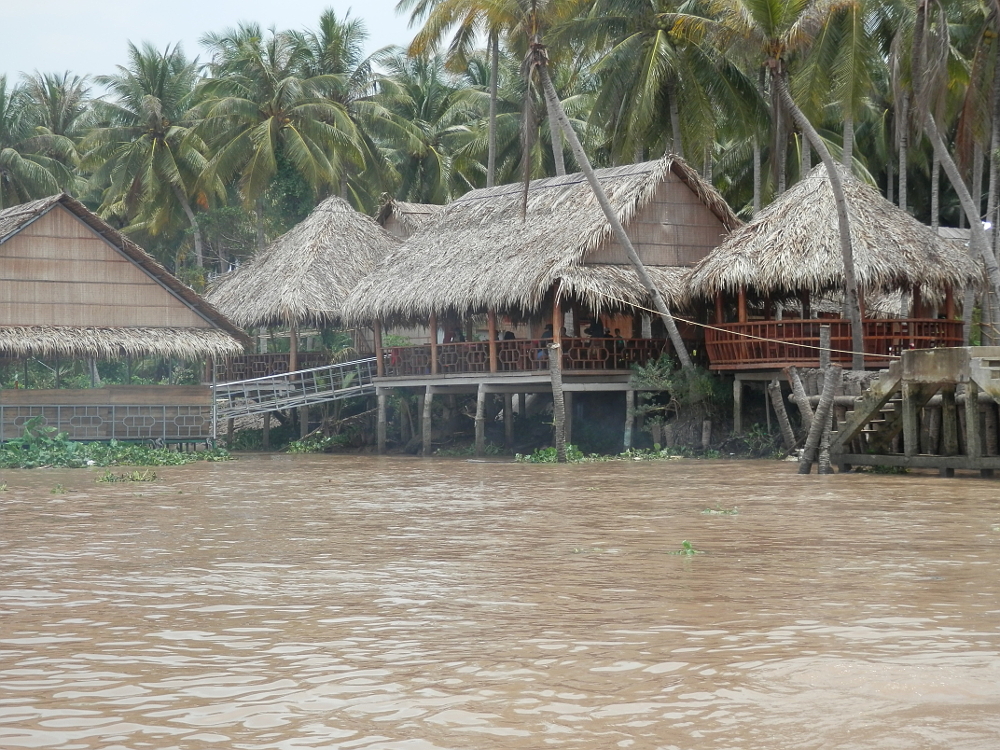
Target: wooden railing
{"x": 519, "y": 355}
{"x": 265, "y": 365}
{"x": 779, "y": 343}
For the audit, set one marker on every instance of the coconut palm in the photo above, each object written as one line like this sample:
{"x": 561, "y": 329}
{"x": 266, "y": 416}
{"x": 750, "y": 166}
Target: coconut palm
{"x": 257, "y": 109}
{"x": 771, "y": 32}
{"x": 32, "y": 163}
{"x": 142, "y": 152}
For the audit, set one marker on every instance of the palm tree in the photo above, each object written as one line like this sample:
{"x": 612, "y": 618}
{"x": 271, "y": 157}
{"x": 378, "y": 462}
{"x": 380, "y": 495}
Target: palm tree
{"x": 143, "y": 153}
{"x": 31, "y": 163}
{"x": 59, "y": 102}
{"x": 772, "y": 31}
{"x": 434, "y": 162}
{"x": 257, "y": 109}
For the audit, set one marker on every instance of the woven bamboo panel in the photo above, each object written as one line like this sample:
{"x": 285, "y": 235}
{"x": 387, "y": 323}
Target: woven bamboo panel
{"x": 59, "y": 272}
{"x": 674, "y": 229}
{"x": 141, "y": 395}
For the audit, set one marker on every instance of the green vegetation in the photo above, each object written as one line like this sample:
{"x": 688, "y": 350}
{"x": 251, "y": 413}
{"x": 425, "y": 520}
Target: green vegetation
{"x": 202, "y": 164}
{"x": 687, "y": 549}
{"x": 129, "y": 476}
{"x": 42, "y": 446}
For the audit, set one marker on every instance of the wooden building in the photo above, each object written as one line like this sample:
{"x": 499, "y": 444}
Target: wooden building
{"x": 775, "y": 281}
{"x": 547, "y": 258}
{"x": 72, "y": 286}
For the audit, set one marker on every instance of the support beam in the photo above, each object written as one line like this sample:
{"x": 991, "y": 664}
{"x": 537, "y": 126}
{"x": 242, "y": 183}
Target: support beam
{"x": 426, "y": 425}
{"x": 380, "y": 394}
{"x": 379, "y": 356}
{"x": 481, "y": 420}
{"x": 742, "y": 305}
{"x": 720, "y": 314}
{"x": 491, "y": 320}
{"x": 433, "y": 325}
{"x": 293, "y": 348}
{"x": 949, "y": 303}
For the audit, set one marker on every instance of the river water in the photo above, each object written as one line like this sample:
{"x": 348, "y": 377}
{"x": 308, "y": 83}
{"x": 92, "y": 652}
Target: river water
{"x": 344, "y": 602}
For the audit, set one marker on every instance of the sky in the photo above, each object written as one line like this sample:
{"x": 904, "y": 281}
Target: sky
{"x": 53, "y": 36}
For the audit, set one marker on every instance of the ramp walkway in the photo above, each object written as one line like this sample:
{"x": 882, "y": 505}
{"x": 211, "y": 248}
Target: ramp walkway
{"x": 291, "y": 390}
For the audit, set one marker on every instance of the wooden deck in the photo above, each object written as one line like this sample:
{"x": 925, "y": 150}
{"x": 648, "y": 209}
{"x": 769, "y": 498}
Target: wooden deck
{"x": 522, "y": 356}
{"x": 774, "y": 344}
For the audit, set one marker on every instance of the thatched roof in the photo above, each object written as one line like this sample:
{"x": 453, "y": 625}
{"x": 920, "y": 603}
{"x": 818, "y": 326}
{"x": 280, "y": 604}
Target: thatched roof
{"x": 480, "y": 254}
{"x": 304, "y": 276}
{"x": 217, "y": 338}
{"x": 794, "y": 245}
{"x": 402, "y": 219}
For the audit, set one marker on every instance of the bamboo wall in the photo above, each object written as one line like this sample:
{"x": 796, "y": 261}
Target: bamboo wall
{"x": 674, "y": 229}
{"x": 58, "y": 271}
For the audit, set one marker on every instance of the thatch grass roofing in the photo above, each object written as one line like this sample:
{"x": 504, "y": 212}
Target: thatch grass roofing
{"x": 304, "y": 276}
{"x": 794, "y": 245}
{"x": 222, "y": 339}
{"x": 409, "y": 216}
{"x": 480, "y": 254}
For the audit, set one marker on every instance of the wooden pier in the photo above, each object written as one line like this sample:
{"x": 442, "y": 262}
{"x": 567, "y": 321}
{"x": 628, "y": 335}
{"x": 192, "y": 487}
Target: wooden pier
{"x": 932, "y": 409}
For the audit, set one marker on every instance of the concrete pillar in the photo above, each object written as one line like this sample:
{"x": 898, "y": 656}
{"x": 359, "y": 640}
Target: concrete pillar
{"x": 629, "y": 418}
{"x": 426, "y": 427}
{"x": 382, "y": 399}
{"x": 481, "y": 420}
{"x": 949, "y": 422}
{"x": 973, "y": 435}
{"x": 508, "y": 421}
{"x": 911, "y": 431}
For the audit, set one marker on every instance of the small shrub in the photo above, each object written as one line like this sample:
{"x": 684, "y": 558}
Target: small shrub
{"x": 129, "y": 476}
{"x": 687, "y": 549}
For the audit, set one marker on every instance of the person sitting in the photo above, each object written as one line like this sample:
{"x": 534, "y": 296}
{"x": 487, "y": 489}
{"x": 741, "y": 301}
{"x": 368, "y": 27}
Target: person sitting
{"x": 595, "y": 330}
{"x": 547, "y": 332}
{"x": 509, "y": 336}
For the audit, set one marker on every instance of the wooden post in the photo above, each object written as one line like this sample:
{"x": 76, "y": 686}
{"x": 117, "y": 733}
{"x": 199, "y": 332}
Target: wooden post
{"x": 949, "y": 422}
{"x": 522, "y": 404}
{"x": 293, "y": 348}
{"x": 508, "y": 421}
{"x": 720, "y": 313}
{"x": 742, "y": 304}
{"x": 629, "y": 418}
{"x": 915, "y": 302}
{"x": 433, "y": 325}
{"x": 379, "y": 357}
{"x": 973, "y": 435}
{"x": 481, "y": 420}
{"x": 491, "y": 320}
{"x": 949, "y": 303}
{"x": 426, "y": 427}
{"x": 558, "y": 404}
{"x": 381, "y": 396}
{"x": 806, "y": 307}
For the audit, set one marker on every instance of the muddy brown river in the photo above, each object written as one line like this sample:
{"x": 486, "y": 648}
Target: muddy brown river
{"x": 307, "y": 602}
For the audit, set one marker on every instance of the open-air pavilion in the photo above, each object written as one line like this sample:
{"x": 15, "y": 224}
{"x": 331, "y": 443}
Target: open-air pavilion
{"x": 544, "y": 262}
{"x": 789, "y": 259}
{"x": 301, "y": 279}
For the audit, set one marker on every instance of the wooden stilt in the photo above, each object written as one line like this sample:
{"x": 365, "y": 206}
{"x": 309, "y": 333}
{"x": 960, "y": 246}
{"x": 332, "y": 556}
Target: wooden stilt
{"x": 379, "y": 357}
{"x": 737, "y": 406}
{"x": 973, "y": 431}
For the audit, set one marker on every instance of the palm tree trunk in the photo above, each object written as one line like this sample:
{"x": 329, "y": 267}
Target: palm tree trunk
{"x": 675, "y": 121}
{"x": 846, "y": 247}
{"x": 903, "y": 128}
{"x": 557, "y": 141}
{"x": 935, "y": 192}
{"x": 756, "y": 176}
{"x": 977, "y": 235}
{"x": 847, "y": 158}
{"x": 199, "y": 254}
{"x": 491, "y": 158}
{"x": 581, "y": 159}
{"x": 558, "y": 401}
